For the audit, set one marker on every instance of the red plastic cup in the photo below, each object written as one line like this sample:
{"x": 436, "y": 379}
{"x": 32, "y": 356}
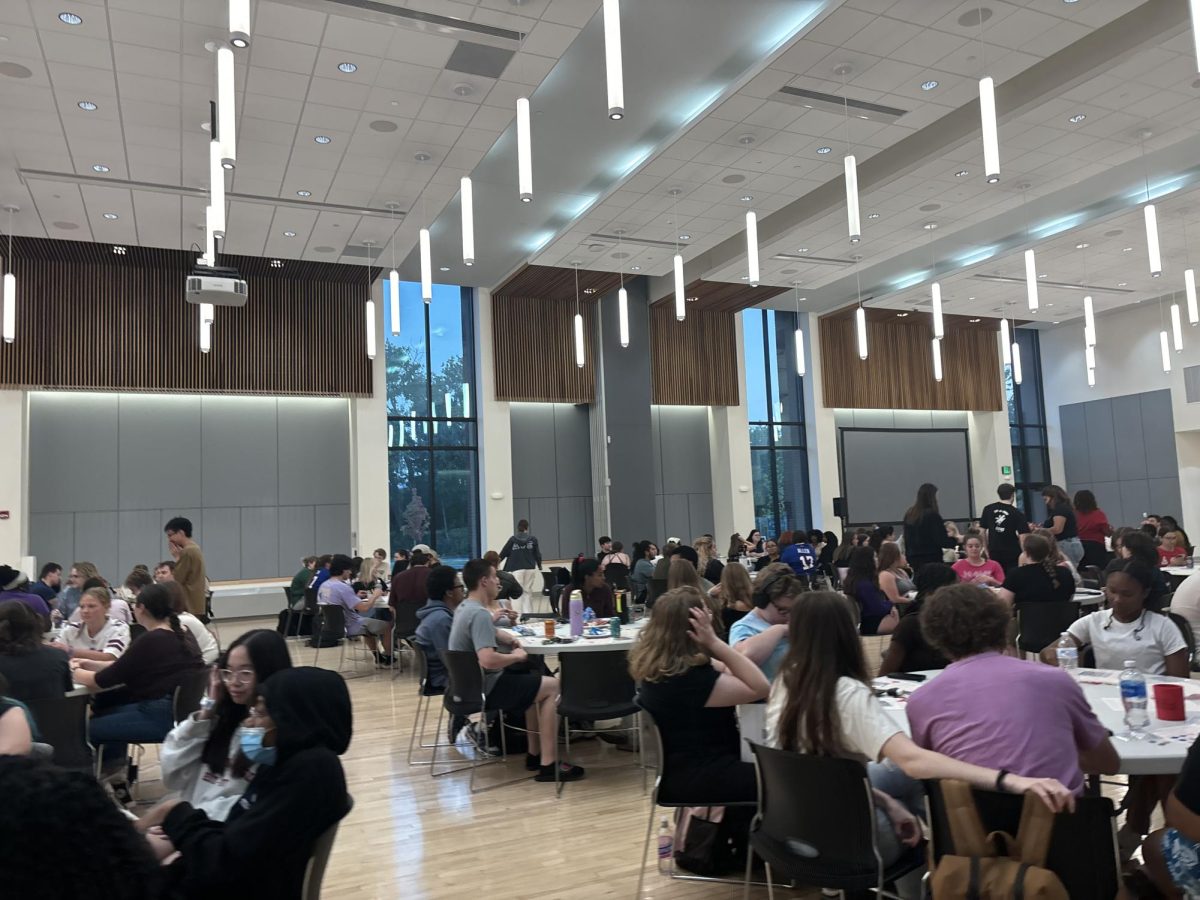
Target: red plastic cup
{"x": 1168, "y": 702}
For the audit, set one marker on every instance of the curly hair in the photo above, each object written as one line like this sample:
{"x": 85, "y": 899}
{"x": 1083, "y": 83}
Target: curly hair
{"x": 45, "y": 806}
{"x": 962, "y": 620}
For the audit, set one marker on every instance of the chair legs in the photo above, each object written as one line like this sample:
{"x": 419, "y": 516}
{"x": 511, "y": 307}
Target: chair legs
{"x": 420, "y": 725}
{"x": 636, "y": 728}
{"x": 646, "y": 846}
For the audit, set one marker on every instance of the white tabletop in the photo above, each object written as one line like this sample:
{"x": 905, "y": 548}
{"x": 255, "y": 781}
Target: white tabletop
{"x": 1088, "y": 597}
{"x": 1180, "y": 571}
{"x": 537, "y": 643}
{"x": 1157, "y": 754}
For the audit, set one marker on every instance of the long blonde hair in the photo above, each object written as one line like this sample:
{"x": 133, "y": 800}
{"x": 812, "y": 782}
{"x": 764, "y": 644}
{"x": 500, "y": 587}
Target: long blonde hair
{"x": 665, "y": 649}
{"x": 736, "y": 588}
{"x": 87, "y": 571}
{"x": 681, "y": 573}
{"x": 706, "y": 550}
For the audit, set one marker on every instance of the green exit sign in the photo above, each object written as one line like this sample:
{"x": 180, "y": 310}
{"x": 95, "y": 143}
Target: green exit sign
{"x": 1006, "y": 470}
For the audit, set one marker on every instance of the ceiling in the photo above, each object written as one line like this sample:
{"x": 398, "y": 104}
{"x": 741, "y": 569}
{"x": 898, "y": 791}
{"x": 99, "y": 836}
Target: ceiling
{"x": 702, "y": 132}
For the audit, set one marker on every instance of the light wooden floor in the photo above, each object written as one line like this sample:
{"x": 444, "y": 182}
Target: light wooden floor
{"x": 417, "y": 837}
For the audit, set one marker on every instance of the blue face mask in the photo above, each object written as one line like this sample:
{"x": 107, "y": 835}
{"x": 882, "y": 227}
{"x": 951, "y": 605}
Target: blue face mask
{"x": 251, "y": 741}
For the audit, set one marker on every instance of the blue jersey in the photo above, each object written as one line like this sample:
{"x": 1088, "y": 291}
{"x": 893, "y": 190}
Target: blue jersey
{"x": 801, "y": 557}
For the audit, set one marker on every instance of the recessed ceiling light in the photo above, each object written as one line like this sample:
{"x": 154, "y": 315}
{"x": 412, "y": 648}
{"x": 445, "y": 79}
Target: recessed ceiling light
{"x": 973, "y": 321}
{"x": 69, "y": 18}
{"x": 1041, "y": 274}
{"x": 589, "y": 290}
{"x": 120, "y": 251}
{"x": 111, "y": 216}
{"x": 1049, "y": 304}
{"x": 824, "y": 150}
{"x": 347, "y": 67}
{"x": 323, "y": 139}
{"x": 929, "y": 226}
{"x": 685, "y": 237}
{"x": 277, "y": 264}
{"x": 1082, "y": 246}
{"x": 1126, "y": 249}
{"x": 289, "y": 234}
{"x": 961, "y": 173}
{"x": 901, "y": 315}
{"x": 746, "y": 198}
{"x": 747, "y": 139}
{"x": 873, "y": 216}
{"x": 928, "y": 85}
{"x": 745, "y": 278}
{"x": 422, "y": 156}
{"x": 303, "y": 193}
{"x": 1077, "y": 118}
{"x": 636, "y": 268}
{"x": 1122, "y": 283}
{"x": 87, "y": 105}
{"x": 99, "y": 168}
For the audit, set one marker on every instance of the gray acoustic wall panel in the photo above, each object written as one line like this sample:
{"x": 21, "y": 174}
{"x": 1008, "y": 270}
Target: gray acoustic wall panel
{"x": 106, "y": 471}
{"x": 1123, "y": 450}
{"x": 683, "y": 471}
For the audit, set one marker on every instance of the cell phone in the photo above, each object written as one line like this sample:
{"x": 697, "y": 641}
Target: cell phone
{"x": 907, "y": 676}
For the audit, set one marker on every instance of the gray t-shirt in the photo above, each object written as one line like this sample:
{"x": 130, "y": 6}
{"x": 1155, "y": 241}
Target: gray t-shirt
{"x": 472, "y": 630}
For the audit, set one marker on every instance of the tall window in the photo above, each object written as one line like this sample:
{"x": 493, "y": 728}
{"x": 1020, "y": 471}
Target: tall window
{"x": 1027, "y": 426}
{"x": 775, "y": 400}
{"x": 433, "y": 455}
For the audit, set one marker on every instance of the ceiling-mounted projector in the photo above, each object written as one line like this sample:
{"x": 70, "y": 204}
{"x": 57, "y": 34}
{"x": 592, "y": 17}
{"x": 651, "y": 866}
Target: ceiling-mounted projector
{"x": 216, "y": 285}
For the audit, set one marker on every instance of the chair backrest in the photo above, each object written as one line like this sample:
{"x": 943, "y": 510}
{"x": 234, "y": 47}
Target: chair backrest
{"x": 333, "y": 621}
{"x": 406, "y": 618}
{"x": 288, "y": 599}
{"x": 1091, "y": 573}
{"x": 62, "y": 722}
{"x": 310, "y": 600}
{"x": 562, "y": 575}
{"x": 421, "y": 668}
{"x": 820, "y": 807}
{"x": 549, "y": 579}
{"x": 314, "y": 872}
{"x": 1041, "y": 622}
{"x": 135, "y": 631}
{"x": 656, "y": 588}
{"x": 464, "y": 679}
{"x": 594, "y": 681}
{"x": 187, "y": 695}
{"x": 1083, "y": 846}
{"x": 1185, "y": 628}
{"x": 617, "y": 575}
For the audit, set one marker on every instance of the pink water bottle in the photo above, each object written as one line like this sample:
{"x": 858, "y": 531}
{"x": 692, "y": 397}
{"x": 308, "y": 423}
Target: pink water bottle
{"x": 575, "y": 606}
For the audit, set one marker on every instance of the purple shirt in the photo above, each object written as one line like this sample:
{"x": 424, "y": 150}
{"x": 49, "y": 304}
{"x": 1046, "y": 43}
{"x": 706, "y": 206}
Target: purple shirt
{"x": 335, "y": 592}
{"x": 33, "y": 601}
{"x": 1005, "y": 713}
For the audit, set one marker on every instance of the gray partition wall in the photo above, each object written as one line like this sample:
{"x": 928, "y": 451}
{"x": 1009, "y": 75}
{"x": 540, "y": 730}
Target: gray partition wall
{"x": 552, "y": 476}
{"x": 682, "y": 474}
{"x": 1123, "y": 450}
{"x": 265, "y": 480}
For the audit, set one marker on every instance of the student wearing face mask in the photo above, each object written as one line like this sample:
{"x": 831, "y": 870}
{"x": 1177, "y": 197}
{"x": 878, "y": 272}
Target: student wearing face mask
{"x": 298, "y": 726}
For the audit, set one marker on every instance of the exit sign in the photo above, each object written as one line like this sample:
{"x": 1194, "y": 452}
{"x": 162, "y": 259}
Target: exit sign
{"x": 1006, "y": 470}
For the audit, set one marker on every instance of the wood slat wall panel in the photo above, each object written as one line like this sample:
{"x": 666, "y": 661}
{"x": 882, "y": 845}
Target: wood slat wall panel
{"x": 98, "y": 326}
{"x": 723, "y": 296}
{"x": 534, "y": 347}
{"x": 898, "y": 373}
{"x": 557, "y": 283}
{"x": 693, "y": 362}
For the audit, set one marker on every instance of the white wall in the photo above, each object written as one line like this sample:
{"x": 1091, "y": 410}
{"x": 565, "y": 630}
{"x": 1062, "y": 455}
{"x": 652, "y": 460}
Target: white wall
{"x": 370, "y": 523}
{"x": 495, "y": 436}
{"x": 729, "y": 456}
{"x": 14, "y": 485}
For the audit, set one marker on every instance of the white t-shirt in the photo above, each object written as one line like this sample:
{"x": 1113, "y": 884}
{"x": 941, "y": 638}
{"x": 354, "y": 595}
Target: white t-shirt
{"x": 865, "y": 726}
{"x": 1186, "y": 601}
{"x": 1148, "y": 640}
{"x": 208, "y": 644}
{"x": 113, "y": 637}
{"x": 118, "y": 609}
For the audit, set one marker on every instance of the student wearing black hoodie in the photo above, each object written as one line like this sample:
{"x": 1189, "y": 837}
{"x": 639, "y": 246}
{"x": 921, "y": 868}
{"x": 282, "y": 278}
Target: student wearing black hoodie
{"x": 260, "y": 852}
{"x": 445, "y": 591}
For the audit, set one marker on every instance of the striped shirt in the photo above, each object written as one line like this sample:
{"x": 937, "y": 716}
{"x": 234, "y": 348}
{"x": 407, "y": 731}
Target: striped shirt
{"x": 113, "y": 637}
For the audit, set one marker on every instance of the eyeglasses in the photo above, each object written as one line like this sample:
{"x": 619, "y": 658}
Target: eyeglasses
{"x": 236, "y": 676}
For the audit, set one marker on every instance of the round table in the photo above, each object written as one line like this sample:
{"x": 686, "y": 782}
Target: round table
{"x": 537, "y": 645}
{"x": 1152, "y": 755}
{"x": 1178, "y": 574}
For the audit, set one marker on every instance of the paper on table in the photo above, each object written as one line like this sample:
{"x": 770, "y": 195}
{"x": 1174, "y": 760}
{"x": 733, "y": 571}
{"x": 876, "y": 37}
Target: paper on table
{"x": 1097, "y": 676}
{"x": 1114, "y": 703}
{"x": 1184, "y": 734}
{"x": 899, "y": 685}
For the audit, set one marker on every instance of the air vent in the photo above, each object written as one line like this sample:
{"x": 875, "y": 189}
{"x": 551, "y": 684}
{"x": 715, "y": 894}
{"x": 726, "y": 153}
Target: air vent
{"x": 361, "y": 251}
{"x": 814, "y": 260}
{"x": 626, "y": 239}
{"x": 431, "y": 23}
{"x": 833, "y": 103}
{"x": 1063, "y": 285}
{"x": 478, "y": 59}
{"x": 1191, "y": 383}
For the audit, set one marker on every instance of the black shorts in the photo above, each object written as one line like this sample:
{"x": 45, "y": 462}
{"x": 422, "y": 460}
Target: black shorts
{"x": 514, "y": 691}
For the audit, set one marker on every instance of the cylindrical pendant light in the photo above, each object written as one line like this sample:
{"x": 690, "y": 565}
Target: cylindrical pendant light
{"x": 1089, "y": 323}
{"x": 239, "y": 23}
{"x": 426, "y": 267}
{"x": 466, "y": 395}
{"x": 449, "y": 405}
{"x": 226, "y": 110}
{"x": 1091, "y": 375}
{"x": 1152, "y": 252}
{"x": 210, "y": 237}
{"x": 860, "y": 328}
{"x": 1016, "y": 362}
{"x": 524, "y": 159}
{"x": 1089, "y": 357}
{"x": 800, "y": 351}
{"x": 207, "y": 311}
{"x": 991, "y": 139}
{"x": 939, "y": 326}
{"x": 623, "y": 316}
{"x": 612, "y": 59}
{"x": 1005, "y": 342}
{"x": 1176, "y": 328}
{"x": 752, "y": 247}
{"x": 680, "y": 300}
{"x": 1165, "y": 346}
{"x": 937, "y": 359}
{"x": 1194, "y": 8}
{"x": 1189, "y": 285}
{"x": 394, "y": 300}
{"x": 854, "y": 223}
{"x": 216, "y": 177}
{"x": 579, "y": 340}
{"x": 1031, "y": 285}
{"x": 370, "y": 329}
{"x": 10, "y": 305}
{"x": 467, "y": 200}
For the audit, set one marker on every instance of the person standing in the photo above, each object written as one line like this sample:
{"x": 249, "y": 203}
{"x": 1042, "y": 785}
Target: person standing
{"x": 1093, "y": 528}
{"x": 48, "y": 583}
{"x": 1060, "y": 520}
{"x": 189, "y": 565}
{"x": 522, "y": 556}
{"x": 925, "y": 535}
{"x": 1003, "y": 525}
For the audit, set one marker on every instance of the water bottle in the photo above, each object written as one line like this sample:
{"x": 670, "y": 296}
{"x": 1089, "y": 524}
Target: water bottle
{"x": 1133, "y": 695}
{"x": 666, "y": 846}
{"x": 575, "y": 613}
{"x": 1067, "y": 652}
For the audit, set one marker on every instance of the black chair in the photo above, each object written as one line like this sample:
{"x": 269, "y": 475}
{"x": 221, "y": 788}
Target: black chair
{"x": 314, "y": 870}
{"x": 62, "y": 722}
{"x": 291, "y": 613}
{"x": 135, "y": 631}
{"x": 188, "y": 694}
{"x": 816, "y": 824}
{"x": 1042, "y": 622}
{"x": 617, "y": 576}
{"x": 1189, "y": 637}
{"x": 1093, "y": 576}
{"x": 1083, "y": 844}
{"x": 330, "y": 625}
{"x": 425, "y": 690}
{"x": 549, "y": 579}
{"x": 598, "y": 686}
{"x": 655, "y": 589}
{"x": 1095, "y": 555}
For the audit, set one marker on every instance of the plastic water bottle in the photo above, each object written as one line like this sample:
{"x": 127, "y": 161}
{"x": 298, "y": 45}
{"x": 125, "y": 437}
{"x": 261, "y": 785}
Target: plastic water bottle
{"x": 575, "y": 613}
{"x": 666, "y": 846}
{"x": 1067, "y": 652}
{"x": 1133, "y": 695}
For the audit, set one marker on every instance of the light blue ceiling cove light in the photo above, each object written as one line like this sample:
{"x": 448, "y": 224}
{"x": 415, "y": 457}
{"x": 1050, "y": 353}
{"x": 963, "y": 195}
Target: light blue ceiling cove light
{"x": 911, "y": 279}
{"x": 973, "y": 257}
{"x": 804, "y": 15}
{"x": 1160, "y": 189}
{"x": 640, "y": 155}
{"x": 584, "y": 204}
{"x": 540, "y": 240}
{"x": 1057, "y": 226}
{"x": 701, "y": 105}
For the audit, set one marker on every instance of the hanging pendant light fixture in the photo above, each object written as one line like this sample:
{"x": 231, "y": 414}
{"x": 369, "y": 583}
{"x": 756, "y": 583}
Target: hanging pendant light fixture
{"x": 622, "y": 301}
{"x": 226, "y": 110}
{"x": 1176, "y": 328}
{"x": 370, "y": 306}
{"x": 210, "y": 237}
{"x": 1089, "y": 323}
{"x": 207, "y": 314}
{"x": 937, "y": 359}
{"x": 799, "y": 337}
{"x": 467, "y": 201}
{"x": 1016, "y": 362}
{"x": 394, "y": 277}
{"x": 1189, "y": 284}
{"x": 524, "y": 159}
{"x": 8, "y": 315}
{"x": 939, "y": 327}
{"x": 991, "y": 138}
{"x": 680, "y": 300}
{"x": 1089, "y": 357}
{"x": 752, "y": 248}
{"x": 1031, "y": 280}
{"x": 853, "y": 221}
{"x": 239, "y": 23}
{"x": 612, "y": 59}
{"x": 1091, "y": 376}
{"x": 1164, "y": 345}
{"x": 426, "y": 267}
{"x": 578, "y": 323}
{"x": 1005, "y": 342}
{"x": 860, "y": 318}
{"x": 216, "y": 175}
{"x": 1152, "y": 252}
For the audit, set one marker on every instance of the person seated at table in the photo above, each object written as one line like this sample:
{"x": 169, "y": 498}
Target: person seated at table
{"x": 474, "y": 631}
{"x": 14, "y": 586}
{"x": 734, "y": 593}
{"x": 643, "y": 569}
{"x": 822, "y": 703}
{"x": 68, "y": 597}
{"x": 769, "y": 556}
{"x": 616, "y": 555}
{"x": 201, "y": 758}
{"x": 1186, "y": 601}
{"x": 692, "y": 701}
{"x": 895, "y": 579}
{"x": 880, "y": 535}
{"x": 16, "y": 724}
{"x": 1140, "y": 546}
{"x": 33, "y": 669}
{"x": 1171, "y": 552}
{"x": 97, "y": 635}
{"x": 737, "y": 548}
{"x": 877, "y": 614}
{"x": 209, "y": 648}
{"x": 587, "y": 582}
{"x": 164, "y": 571}
{"x": 1172, "y": 854}
{"x": 1170, "y": 523}
{"x": 1037, "y": 577}
{"x": 693, "y": 558}
{"x": 301, "y": 580}
{"x": 510, "y": 589}
{"x": 707, "y": 563}
{"x": 1024, "y": 727}
{"x": 798, "y": 553}
{"x": 908, "y": 651}
{"x": 399, "y": 562}
{"x": 135, "y": 705}
{"x": 851, "y": 541}
{"x": 335, "y": 591}
{"x": 761, "y": 634}
{"x": 296, "y": 729}
{"x": 754, "y": 546}
{"x": 975, "y": 569}
{"x": 434, "y": 620}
